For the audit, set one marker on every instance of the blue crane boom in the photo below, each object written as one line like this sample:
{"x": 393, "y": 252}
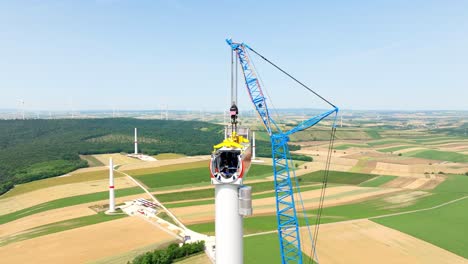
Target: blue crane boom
{"x": 286, "y": 214}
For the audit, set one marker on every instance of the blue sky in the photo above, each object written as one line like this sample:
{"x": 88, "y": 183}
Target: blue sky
{"x": 407, "y": 55}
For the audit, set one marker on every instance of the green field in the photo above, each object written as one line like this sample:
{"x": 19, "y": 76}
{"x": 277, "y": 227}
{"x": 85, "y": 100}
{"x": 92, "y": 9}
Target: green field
{"x": 453, "y": 184}
{"x": 92, "y": 161}
{"x": 347, "y": 146}
{"x": 64, "y": 202}
{"x": 378, "y": 181}
{"x": 388, "y": 141}
{"x": 49, "y": 182}
{"x": 438, "y": 138}
{"x": 360, "y": 165}
{"x": 59, "y": 227}
{"x": 374, "y": 133}
{"x": 168, "y": 168}
{"x": 166, "y": 217}
{"x": 252, "y": 225}
{"x": 392, "y": 149}
{"x": 336, "y": 177}
{"x": 166, "y": 156}
{"x": 193, "y": 176}
{"x": 438, "y": 155}
{"x": 444, "y": 227}
{"x": 264, "y": 249}
{"x": 174, "y": 178}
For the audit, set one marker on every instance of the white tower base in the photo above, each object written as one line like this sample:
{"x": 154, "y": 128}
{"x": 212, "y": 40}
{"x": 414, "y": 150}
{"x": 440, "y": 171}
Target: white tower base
{"x": 229, "y": 233}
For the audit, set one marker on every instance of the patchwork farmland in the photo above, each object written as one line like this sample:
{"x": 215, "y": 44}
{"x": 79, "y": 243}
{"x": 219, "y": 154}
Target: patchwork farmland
{"x": 385, "y": 194}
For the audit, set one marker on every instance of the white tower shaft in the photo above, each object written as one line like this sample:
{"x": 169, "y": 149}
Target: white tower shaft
{"x": 136, "y": 141}
{"x": 253, "y": 145}
{"x": 229, "y": 233}
{"x": 111, "y": 186}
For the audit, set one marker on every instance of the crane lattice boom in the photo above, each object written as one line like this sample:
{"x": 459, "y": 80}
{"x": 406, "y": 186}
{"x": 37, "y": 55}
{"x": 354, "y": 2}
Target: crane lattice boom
{"x": 286, "y": 214}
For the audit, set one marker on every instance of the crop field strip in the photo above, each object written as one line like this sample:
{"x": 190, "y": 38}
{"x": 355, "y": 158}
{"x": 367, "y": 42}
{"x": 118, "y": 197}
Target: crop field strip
{"x": 393, "y": 149}
{"x": 337, "y": 177}
{"x": 414, "y": 141}
{"x": 377, "y": 181}
{"x": 49, "y": 182}
{"x": 363, "y": 164}
{"x": 166, "y": 156}
{"x": 438, "y": 155}
{"x": 69, "y": 201}
{"x": 117, "y": 158}
{"x": 192, "y": 176}
{"x": 167, "y": 168}
{"x": 347, "y": 146}
{"x": 59, "y": 227}
{"x": 92, "y": 161}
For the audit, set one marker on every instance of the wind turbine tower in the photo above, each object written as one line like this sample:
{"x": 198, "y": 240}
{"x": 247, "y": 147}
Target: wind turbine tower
{"x": 161, "y": 111}
{"x": 224, "y": 118}
{"x": 22, "y": 108}
{"x": 111, "y": 187}
{"x": 136, "y": 141}
{"x": 253, "y": 145}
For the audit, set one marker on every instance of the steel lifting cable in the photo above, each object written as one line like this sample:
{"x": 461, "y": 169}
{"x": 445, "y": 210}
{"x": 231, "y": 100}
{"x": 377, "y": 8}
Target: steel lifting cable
{"x": 324, "y": 186}
{"x": 329, "y": 154}
{"x": 290, "y": 76}
{"x": 264, "y": 88}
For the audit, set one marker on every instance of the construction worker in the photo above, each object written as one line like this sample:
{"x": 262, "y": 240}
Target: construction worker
{"x": 234, "y": 112}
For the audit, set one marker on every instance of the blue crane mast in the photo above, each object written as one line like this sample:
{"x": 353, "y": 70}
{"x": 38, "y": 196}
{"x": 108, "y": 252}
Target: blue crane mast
{"x": 288, "y": 226}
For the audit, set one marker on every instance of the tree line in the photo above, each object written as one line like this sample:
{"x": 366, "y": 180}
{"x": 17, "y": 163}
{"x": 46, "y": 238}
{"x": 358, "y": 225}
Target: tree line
{"x": 167, "y": 256}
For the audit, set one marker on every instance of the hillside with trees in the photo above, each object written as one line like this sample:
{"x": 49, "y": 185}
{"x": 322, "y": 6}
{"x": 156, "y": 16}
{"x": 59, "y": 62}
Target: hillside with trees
{"x": 37, "y": 149}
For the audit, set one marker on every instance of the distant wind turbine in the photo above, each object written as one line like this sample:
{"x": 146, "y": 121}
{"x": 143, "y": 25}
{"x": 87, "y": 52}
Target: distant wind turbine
{"x": 167, "y": 114}
{"x": 21, "y": 101}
